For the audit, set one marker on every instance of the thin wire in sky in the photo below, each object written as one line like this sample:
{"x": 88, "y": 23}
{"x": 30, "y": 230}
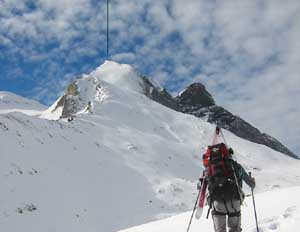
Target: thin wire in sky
{"x": 107, "y": 27}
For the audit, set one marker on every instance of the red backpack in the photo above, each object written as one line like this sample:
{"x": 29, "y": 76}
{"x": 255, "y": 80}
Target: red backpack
{"x": 217, "y": 162}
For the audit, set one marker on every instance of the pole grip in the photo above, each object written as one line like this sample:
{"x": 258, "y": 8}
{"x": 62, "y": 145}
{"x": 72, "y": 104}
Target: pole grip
{"x": 254, "y": 207}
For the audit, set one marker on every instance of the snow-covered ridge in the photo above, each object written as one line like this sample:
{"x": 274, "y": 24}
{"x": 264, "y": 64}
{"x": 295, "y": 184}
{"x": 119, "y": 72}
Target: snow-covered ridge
{"x": 12, "y": 102}
{"x": 85, "y": 93}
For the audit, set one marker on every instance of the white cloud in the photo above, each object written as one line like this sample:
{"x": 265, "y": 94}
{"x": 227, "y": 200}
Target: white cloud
{"x": 126, "y": 57}
{"x": 264, "y": 65}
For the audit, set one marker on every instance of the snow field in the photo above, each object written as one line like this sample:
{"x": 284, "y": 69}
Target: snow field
{"x": 278, "y": 211}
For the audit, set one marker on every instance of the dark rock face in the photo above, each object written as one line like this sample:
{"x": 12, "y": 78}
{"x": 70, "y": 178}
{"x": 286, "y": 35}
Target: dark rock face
{"x": 197, "y": 101}
{"x": 220, "y": 116}
{"x": 195, "y": 95}
{"x": 159, "y": 95}
{"x": 69, "y": 101}
{"x": 72, "y": 101}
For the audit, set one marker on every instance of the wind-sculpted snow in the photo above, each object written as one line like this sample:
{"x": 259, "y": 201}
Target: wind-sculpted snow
{"x": 125, "y": 162}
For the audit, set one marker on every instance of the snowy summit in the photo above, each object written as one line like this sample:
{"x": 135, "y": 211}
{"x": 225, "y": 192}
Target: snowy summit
{"x": 85, "y": 93}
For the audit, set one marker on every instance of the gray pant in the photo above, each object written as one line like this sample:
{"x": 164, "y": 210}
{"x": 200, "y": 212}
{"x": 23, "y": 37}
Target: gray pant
{"x": 230, "y": 209}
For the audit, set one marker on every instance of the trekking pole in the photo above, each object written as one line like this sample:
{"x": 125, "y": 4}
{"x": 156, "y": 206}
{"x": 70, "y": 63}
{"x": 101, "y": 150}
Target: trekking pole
{"x": 254, "y": 206}
{"x": 193, "y": 212}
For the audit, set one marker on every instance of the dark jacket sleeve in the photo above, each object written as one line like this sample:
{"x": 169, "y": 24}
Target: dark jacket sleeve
{"x": 243, "y": 175}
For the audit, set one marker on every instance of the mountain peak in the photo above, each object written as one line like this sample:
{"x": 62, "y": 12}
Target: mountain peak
{"x": 195, "y": 95}
{"x": 195, "y": 100}
{"x": 90, "y": 89}
{"x": 123, "y": 75}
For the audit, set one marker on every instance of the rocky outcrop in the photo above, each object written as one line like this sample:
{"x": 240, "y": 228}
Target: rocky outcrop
{"x": 195, "y": 95}
{"x": 78, "y": 98}
{"x": 197, "y": 101}
{"x": 158, "y": 94}
{"x": 69, "y": 101}
{"x": 220, "y": 116}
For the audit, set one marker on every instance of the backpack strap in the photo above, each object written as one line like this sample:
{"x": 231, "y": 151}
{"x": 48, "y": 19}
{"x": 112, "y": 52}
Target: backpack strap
{"x": 208, "y": 211}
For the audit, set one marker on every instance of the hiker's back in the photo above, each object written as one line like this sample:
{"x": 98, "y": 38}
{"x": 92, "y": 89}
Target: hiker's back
{"x": 220, "y": 173}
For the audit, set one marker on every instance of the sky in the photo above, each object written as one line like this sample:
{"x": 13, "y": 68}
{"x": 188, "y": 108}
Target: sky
{"x": 247, "y": 53}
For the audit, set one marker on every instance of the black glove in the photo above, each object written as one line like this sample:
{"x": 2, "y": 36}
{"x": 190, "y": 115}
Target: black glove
{"x": 199, "y": 183}
{"x": 198, "y": 186}
{"x": 230, "y": 151}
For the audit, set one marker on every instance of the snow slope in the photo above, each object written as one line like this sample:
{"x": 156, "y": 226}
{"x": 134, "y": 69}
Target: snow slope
{"x": 128, "y": 161}
{"x": 278, "y": 211}
{"x": 10, "y": 102}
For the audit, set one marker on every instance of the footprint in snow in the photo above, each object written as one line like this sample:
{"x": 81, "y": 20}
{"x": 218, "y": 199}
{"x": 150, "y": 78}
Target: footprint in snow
{"x": 268, "y": 224}
{"x": 268, "y": 220}
{"x": 289, "y": 212}
{"x": 274, "y": 226}
{"x": 161, "y": 191}
{"x": 273, "y": 223}
{"x": 131, "y": 147}
{"x": 26, "y": 208}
